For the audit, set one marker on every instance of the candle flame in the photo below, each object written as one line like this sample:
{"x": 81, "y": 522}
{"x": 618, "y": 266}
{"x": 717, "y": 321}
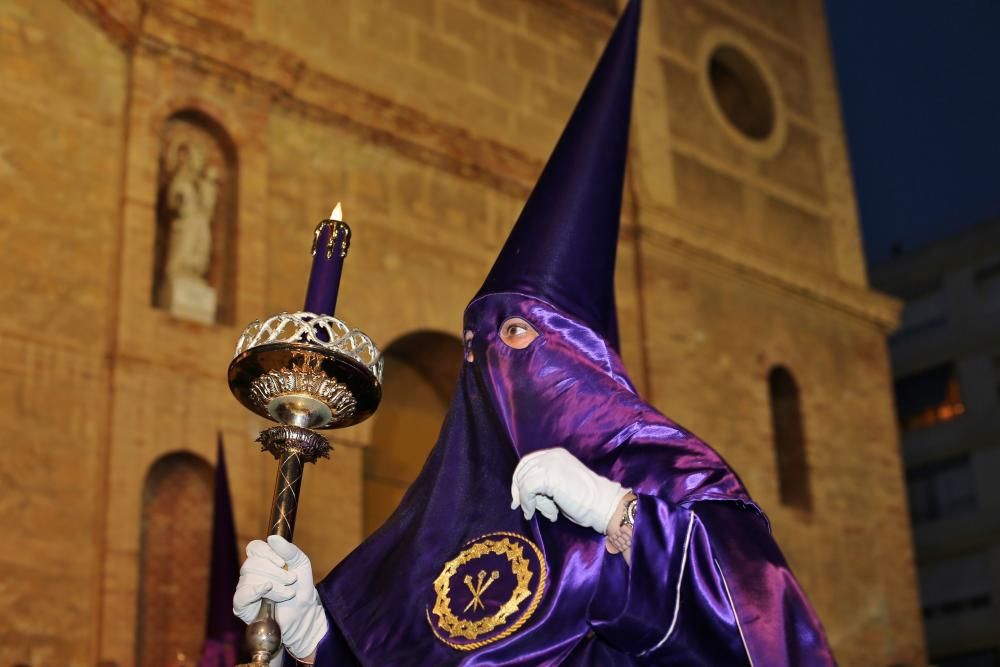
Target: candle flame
{"x": 338, "y": 214}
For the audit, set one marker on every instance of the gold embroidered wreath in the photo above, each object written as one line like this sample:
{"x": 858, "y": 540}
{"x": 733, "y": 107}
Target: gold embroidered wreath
{"x": 511, "y": 546}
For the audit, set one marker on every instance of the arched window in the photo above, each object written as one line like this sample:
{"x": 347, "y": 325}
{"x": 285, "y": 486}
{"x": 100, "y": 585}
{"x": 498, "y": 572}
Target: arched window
{"x": 789, "y": 439}
{"x": 420, "y": 374}
{"x": 174, "y": 560}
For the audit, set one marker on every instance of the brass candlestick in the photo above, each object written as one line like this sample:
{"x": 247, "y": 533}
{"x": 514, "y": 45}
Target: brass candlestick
{"x": 304, "y": 371}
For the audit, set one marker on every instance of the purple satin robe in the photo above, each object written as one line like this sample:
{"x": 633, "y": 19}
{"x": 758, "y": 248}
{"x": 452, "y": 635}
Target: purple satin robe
{"x": 707, "y": 584}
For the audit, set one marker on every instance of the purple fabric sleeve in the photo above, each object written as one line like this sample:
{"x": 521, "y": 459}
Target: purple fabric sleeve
{"x": 706, "y": 581}
{"x": 333, "y": 650}
{"x": 777, "y": 623}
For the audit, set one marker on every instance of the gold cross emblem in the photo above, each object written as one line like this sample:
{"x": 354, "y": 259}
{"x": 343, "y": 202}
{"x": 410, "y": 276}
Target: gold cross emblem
{"x": 482, "y": 583}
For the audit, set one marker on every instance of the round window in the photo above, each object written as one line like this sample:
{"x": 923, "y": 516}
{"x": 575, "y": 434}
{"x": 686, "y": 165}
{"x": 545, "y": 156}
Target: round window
{"x": 741, "y": 92}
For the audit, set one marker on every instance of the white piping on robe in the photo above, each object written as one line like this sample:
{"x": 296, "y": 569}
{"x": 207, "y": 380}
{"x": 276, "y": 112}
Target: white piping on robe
{"x": 732, "y": 605}
{"x": 680, "y": 578}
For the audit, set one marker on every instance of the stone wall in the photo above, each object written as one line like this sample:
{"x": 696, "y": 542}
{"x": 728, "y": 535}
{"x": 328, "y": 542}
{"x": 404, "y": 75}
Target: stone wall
{"x": 430, "y": 120}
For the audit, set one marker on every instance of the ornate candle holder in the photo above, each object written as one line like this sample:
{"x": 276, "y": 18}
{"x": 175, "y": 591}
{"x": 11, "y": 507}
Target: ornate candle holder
{"x": 304, "y": 371}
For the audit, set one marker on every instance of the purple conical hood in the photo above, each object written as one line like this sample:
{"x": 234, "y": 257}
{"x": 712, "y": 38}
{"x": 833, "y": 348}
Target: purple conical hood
{"x": 223, "y": 632}
{"x": 562, "y": 248}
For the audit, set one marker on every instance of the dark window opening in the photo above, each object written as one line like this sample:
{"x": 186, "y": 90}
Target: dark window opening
{"x": 789, "y": 440}
{"x": 941, "y": 489}
{"x": 741, "y": 92}
{"x": 927, "y": 398}
{"x": 957, "y": 606}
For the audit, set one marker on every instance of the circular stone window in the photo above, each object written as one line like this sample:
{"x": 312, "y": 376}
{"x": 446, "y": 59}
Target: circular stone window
{"x": 742, "y": 93}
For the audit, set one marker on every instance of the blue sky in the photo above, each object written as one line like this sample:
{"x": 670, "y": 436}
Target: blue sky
{"x": 920, "y": 91}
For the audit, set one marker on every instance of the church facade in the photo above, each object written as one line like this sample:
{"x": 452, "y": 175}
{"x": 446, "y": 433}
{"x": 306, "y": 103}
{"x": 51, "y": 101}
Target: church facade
{"x": 164, "y": 165}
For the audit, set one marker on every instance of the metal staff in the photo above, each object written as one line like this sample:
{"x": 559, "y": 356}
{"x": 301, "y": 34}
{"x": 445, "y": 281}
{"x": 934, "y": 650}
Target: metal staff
{"x": 305, "y": 371}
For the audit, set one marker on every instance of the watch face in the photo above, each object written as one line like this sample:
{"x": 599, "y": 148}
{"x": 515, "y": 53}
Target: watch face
{"x": 630, "y": 511}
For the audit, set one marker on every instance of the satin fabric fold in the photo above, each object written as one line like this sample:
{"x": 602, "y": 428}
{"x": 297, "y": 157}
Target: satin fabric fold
{"x": 569, "y": 389}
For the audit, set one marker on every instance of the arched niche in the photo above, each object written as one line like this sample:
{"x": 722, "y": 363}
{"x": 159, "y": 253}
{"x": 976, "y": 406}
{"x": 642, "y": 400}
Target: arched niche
{"x": 194, "y": 259}
{"x": 421, "y": 369}
{"x": 794, "y": 485}
{"x": 174, "y": 560}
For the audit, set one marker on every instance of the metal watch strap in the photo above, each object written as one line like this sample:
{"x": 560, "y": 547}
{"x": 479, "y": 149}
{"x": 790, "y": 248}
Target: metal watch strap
{"x": 628, "y": 517}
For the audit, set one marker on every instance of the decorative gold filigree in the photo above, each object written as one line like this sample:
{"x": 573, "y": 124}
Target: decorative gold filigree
{"x": 336, "y": 226}
{"x": 511, "y": 546}
{"x": 304, "y": 379}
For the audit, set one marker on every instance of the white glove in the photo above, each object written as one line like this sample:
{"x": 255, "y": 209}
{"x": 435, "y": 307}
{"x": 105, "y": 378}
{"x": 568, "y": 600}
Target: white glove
{"x": 297, "y": 607}
{"x": 553, "y": 480}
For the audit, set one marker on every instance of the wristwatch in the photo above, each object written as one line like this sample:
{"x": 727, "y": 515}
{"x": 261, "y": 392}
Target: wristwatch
{"x": 628, "y": 517}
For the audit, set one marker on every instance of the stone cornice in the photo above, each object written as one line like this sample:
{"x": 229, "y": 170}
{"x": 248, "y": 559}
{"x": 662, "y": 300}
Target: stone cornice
{"x": 288, "y": 80}
{"x": 292, "y": 81}
{"x": 861, "y": 302}
{"x": 111, "y": 17}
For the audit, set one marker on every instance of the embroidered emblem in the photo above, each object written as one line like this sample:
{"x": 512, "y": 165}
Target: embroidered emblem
{"x": 488, "y": 591}
{"x": 479, "y": 589}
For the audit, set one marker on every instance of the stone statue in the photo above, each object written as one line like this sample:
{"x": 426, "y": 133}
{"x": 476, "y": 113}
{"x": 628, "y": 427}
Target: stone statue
{"x": 190, "y": 197}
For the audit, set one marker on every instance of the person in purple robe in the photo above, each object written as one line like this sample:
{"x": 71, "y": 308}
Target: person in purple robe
{"x": 560, "y": 519}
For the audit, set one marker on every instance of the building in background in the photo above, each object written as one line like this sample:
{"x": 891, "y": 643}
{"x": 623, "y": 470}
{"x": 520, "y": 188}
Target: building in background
{"x": 946, "y": 363}
{"x": 163, "y": 164}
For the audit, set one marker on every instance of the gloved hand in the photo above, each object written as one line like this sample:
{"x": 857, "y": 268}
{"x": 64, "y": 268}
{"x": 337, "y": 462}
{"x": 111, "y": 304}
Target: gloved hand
{"x": 298, "y": 610}
{"x": 553, "y": 480}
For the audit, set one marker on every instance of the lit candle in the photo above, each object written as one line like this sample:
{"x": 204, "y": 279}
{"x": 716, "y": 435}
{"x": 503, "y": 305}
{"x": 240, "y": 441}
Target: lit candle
{"x": 330, "y": 243}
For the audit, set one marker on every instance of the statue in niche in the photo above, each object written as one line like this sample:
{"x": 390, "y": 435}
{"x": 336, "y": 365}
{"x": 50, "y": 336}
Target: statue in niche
{"x": 189, "y": 195}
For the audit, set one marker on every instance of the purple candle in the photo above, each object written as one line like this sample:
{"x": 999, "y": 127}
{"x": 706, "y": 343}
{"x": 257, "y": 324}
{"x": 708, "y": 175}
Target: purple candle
{"x": 330, "y": 244}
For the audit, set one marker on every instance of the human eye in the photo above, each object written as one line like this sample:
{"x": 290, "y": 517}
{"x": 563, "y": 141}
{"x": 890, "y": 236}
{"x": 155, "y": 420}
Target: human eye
{"x": 514, "y": 329}
{"x": 517, "y": 333}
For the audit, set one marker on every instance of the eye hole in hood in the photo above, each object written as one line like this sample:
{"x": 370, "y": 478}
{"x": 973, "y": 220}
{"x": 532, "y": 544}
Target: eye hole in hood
{"x": 517, "y": 332}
